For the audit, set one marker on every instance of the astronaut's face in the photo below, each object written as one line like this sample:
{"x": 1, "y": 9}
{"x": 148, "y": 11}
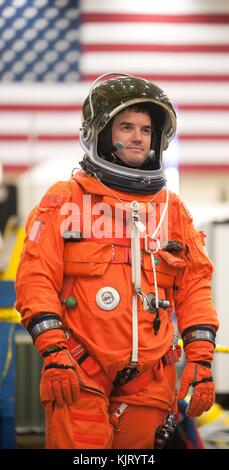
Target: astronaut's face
{"x": 134, "y": 130}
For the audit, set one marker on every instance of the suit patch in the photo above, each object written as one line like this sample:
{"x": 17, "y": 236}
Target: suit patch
{"x": 52, "y": 201}
{"x": 35, "y": 230}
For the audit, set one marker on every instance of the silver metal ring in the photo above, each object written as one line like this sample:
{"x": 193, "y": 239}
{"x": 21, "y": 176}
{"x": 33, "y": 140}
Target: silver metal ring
{"x": 45, "y": 325}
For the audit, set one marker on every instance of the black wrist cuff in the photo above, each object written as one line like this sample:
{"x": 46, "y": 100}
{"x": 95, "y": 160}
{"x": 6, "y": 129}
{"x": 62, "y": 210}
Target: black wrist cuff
{"x": 44, "y": 322}
{"x": 199, "y": 333}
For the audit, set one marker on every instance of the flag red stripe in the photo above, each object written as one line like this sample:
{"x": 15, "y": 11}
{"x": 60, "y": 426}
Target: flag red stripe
{"x": 167, "y": 77}
{"x": 8, "y": 107}
{"x": 20, "y": 168}
{"x": 151, "y": 18}
{"x": 203, "y": 137}
{"x": 203, "y": 107}
{"x": 40, "y": 137}
{"x": 211, "y": 48}
{"x": 40, "y": 107}
{"x": 204, "y": 167}
{"x": 15, "y": 168}
{"x": 72, "y": 137}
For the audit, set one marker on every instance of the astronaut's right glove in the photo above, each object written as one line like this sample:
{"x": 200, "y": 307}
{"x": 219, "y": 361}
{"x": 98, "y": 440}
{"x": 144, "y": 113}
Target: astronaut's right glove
{"x": 197, "y": 374}
{"x": 59, "y": 380}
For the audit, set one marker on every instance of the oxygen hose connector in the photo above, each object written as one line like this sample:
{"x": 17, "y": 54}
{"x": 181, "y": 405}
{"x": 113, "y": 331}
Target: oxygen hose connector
{"x": 164, "y": 304}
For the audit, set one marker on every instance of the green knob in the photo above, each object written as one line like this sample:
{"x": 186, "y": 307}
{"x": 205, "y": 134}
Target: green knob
{"x": 70, "y": 302}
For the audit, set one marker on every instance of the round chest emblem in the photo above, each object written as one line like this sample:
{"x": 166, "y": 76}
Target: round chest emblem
{"x": 107, "y": 298}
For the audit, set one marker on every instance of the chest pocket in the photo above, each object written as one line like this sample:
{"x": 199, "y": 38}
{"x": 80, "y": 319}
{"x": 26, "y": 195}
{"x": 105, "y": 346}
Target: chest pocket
{"x": 168, "y": 267}
{"x": 86, "y": 259}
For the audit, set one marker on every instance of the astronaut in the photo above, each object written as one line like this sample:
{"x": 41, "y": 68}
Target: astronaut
{"x": 108, "y": 256}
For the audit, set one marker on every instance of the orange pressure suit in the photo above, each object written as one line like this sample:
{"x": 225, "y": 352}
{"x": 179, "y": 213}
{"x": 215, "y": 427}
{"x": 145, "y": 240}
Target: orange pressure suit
{"x": 53, "y": 270}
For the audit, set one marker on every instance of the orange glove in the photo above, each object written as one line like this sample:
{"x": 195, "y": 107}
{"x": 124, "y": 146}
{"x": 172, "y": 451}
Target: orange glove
{"x": 197, "y": 373}
{"x": 59, "y": 381}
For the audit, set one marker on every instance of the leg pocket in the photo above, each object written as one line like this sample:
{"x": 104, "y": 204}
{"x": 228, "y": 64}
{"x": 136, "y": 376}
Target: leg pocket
{"x": 91, "y": 425}
{"x": 83, "y": 425}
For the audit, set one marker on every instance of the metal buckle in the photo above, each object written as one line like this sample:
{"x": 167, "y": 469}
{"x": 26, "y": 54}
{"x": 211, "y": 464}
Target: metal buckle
{"x": 125, "y": 375}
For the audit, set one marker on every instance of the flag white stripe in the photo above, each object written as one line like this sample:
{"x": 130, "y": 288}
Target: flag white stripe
{"x": 203, "y": 122}
{"x": 162, "y": 6}
{"x": 41, "y": 93}
{"x": 200, "y": 152}
{"x": 36, "y": 123}
{"x": 180, "y": 93}
{"x": 69, "y": 123}
{"x": 34, "y": 152}
{"x": 156, "y": 63}
{"x": 125, "y": 33}
{"x": 27, "y": 153}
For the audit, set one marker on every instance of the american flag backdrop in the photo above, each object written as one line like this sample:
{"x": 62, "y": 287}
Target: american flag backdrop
{"x": 50, "y": 51}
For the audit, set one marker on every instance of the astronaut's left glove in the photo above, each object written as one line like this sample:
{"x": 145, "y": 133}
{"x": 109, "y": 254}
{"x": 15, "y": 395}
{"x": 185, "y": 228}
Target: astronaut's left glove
{"x": 59, "y": 376}
{"x": 59, "y": 379}
{"x": 197, "y": 372}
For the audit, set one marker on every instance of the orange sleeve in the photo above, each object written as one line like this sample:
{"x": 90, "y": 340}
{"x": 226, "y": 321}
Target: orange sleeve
{"x": 193, "y": 292}
{"x": 40, "y": 272}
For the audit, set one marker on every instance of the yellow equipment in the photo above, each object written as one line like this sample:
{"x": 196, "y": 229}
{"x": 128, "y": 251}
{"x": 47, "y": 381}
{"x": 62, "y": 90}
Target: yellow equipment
{"x": 13, "y": 238}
